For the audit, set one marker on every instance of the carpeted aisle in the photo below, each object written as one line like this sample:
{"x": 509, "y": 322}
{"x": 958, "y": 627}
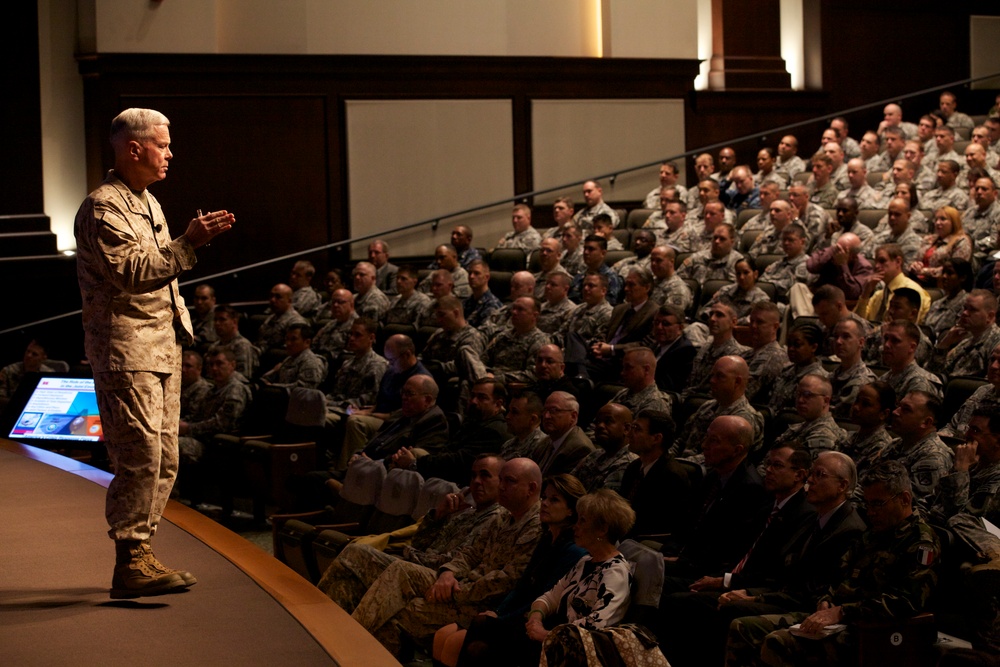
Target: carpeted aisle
{"x": 55, "y": 570}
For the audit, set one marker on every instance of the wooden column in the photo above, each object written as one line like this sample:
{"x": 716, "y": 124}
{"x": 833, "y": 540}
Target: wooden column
{"x": 746, "y": 46}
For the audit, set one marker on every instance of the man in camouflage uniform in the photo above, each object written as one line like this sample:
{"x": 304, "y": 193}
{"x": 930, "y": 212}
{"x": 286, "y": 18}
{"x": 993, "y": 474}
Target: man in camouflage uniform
{"x": 222, "y": 409}
{"x": 227, "y": 328}
{"x": 818, "y": 432}
{"x": 369, "y": 300}
{"x": 418, "y": 600}
{"x": 642, "y": 245}
{"x": 548, "y": 264}
{"x": 639, "y": 377}
{"x": 888, "y": 574}
{"x": 305, "y": 299}
{"x": 522, "y": 283}
{"x": 358, "y": 379}
{"x": 721, "y": 322}
{"x": 33, "y": 362}
{"x": 918, "y": 446}
{"x": 593, "y": 197}
{"x": 717, "y": 263}
{"x": 668, "y": 287}
{"x": 595, "y": 249}
{"x": 445, "y": 348}
{"x": 791, "y": 268}
{"x": 766, "y": 357}
{"x": 447, "y": 259}
{"x": 524, "y": 420}
{"x": 134, "y": 320}
{"x": 510, "y": 355}
{"x": 781, "y": 214}
{"x": 302, "y": 367}
{"x": 904, "y": 375}
{"x": 947, "y": 192}
{"x": 194, "y": 386}
{"x": 330, "y": 341}
{"x": 409, "y": 304}
{"x": 556, "y": 307}
{"x": 605, "y": 467}
{"x": 986, "y": 397}
{"x": 677, "y": 234}
{"x": 851, "y": 373}
{"x": 812, "y": 217}
{"x": 588, "y": 322}
{"x": 203, "y": 318}
{"x": 981, "y": 221}
{"x": 572, "y": 254}
{"x": 524, "y": 236}
{"x": 482, "y": 302}
{"x": 903, "y": 305}
{"x": 271, "y": 334}
{"x": 899, "y": 232}
{"x": 973, "y": 484}
{"x": 965, "y": 349}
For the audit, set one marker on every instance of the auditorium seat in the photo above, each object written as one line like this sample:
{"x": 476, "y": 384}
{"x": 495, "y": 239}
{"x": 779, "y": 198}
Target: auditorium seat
{"x": 507, "y": 259}
{"x": 637, "y": 217}
{"x": 869, "y": 217}
{"x": 743, "y": 216}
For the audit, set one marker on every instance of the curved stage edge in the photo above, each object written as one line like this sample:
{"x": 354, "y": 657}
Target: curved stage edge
{"x": 28, "y": 599}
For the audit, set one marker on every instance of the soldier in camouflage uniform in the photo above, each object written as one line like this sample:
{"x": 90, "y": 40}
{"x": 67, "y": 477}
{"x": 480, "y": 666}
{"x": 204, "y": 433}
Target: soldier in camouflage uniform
{"x": 722, "y": 320}
{"x": 369, "y": 300}
{"x": 595, "y": 249}
{"x": 510, "y": 355}
{"x": 134, "y": 321}
{"x": 812, "y": 217}
{"x": 409, "y": 304}
{"x": 904, "y": 375}
{"x": 588, "y": 322}
{"x": 482, "y": 302}
{"x": 642, "y": 245}
{"x": 11, "y": 376}
{"x": 904, "y": 304}
{"x": 572, "y": 254}
{"x": 548, "y": 261}
{"x": 899, "y": 233}
{"x": 918, "y": 446}
{"x": 446, "y": 346}
{"x": 302, "y": 367}
{"x": 965, "y": 349}
{"x": 819, "y": 432}
{"x": 867, "y": 446}
{"x": 305, "y": 299}
{"x": 331, "y": 340}
{"x": 852, "y": 373}
{"x": 271, "y": 334}
{"x": 717, "y": 263}
{"x": 446, "y": 258}
{"x": 194, "y": 386}
{"x": 358, "y": 379}
{"x": 227, "y": 328}
{"x": 791, "y": 269}
{"x": 639, "y": 377}
{"x": 889, "y": 573}
{"x": 769, "y": 241}
{"x": 557, "y": 308}
{"x": 203, "y": 318}
{"x": 986, "y": 397}
{"x": 605, "y": 467}
{"x": 523, "y": 236}
{"x": 981, "y": 221}
{"x": 524, "y": 418}
{"x": 593, "y": 197}
{"x": 522, "y": 283}
{"x": 223, "y": 408}
{"x": 946, "y": 193}
{"x": 767, "y": 357}
{"x": 669, "y": 289}
{"x": 801, "y": 346}
{"x": 973, "y": 484}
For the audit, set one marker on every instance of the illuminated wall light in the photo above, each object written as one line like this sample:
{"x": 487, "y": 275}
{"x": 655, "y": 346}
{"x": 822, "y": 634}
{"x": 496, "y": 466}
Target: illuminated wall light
{"x": 599, "y": 27}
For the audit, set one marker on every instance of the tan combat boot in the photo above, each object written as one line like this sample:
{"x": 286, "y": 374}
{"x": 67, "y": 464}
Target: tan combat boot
{"x": 136, "y": 576}
{"x": 147, "y": 547}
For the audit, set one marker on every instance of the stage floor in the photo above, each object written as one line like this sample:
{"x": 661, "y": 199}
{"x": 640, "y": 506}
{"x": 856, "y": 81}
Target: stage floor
{"x": 55, "y": 571}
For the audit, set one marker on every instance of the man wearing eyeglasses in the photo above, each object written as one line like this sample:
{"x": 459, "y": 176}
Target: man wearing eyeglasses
{"x": 918, "y": 446}
{"x": 566, "y": 444}
{"x": 819, "y": 432}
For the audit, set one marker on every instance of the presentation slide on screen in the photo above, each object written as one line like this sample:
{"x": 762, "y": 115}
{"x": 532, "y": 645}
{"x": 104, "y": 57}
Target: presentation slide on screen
{"x": 60, "y": 409}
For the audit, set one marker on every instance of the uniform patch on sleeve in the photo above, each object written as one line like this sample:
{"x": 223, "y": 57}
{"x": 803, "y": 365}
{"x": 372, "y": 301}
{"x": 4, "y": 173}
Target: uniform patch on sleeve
{"x": 927, "y": 555}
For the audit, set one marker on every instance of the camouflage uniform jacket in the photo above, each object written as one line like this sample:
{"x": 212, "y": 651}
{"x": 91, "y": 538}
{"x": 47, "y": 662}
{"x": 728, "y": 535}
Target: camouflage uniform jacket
{"x": 689, "y": 441}
{"x": 680, "y": 239}
{"x": 768, "y": 243}
{"x": 585, "y": 218}
{"x": 703, "y": 363}
{"x": 986, "y": 397}
{"x": 478, "y": 310}
{"x": 742, "y": 301}
{"x": 766, "y": 364}
{"x": 672, "y": 291}
{"x": 784, "y": 273}
{"x": 759, "y": 223}
{"x": 975, "y": 491}
{"x": 306, "y": 369}
{"x": 358, "y": 380}
{"x": 982, "y": 226}
{"x": 912, "y": 378}
{"x": 573, "y": 261}
{"x": 846, "y": 385}
{"x": 331, "y": 339}
{"x": 928, "y": 460}
{"x": 407, "y": 310}
{"x": 648, "y": 398}
{"x": 543, "y": 276}
{"x": 865, "y": 196}
{"x": 246, "y": 353}
{"x": 614, "y": 285}
{"x": 513, "y": 354}
{"x": 622, "y": 267}
{"x": 867, "y": 451}
{"x": 909, "y": 242}
{"x": 527, "y": 240}
{"x": 701, "y": 266}
{"x": 790, "y": 167}
{"x": 971, "y": 357}
{"x": 193, "y": 399}
{"x": 435, "y": 539}
{"x": 443, "y": 347}
{"x": 819, "y": 435}
{"x": 498, "y": 320}
{"x": 783, "y": 395}
{"x": 517, "y": 448}
{"x": 11, "y": 376}
{"x": 373, "y": 304}
{"x": 306, "y": 301}
{"x": 489, "y": 564}
{"x": 815, "y": 222}
{"x": 459, "y": 277}
{"x": 204, "y": 331}
{"x": 944, "y": 312}
{"x": 601, "y": 470}
{"x": 953, "y": 196}
{"x": 554, "y": 317}
{"x": 588, "y": 322}
{"x": 224, "y": 409}
{"x": 889, "y": 574}
{"x": 271, "y": 334}
{"x": 872, "y": 352}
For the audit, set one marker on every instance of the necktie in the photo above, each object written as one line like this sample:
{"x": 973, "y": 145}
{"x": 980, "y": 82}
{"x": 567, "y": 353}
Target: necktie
{"x": 739, "y": 566}
{"x": 620, "y": 332}
{"x": 886, "y": 295}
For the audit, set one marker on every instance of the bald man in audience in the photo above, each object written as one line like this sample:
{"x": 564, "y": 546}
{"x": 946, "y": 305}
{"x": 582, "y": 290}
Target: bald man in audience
{"x": 522, "y": 283}
{"x": 331, "y": 339}
{"x": 369, "y": 300}
{"x": 593, "y": 199}
{"x": 271, "y": 334}
{"x": 788, "y": 162}
{"x": 639, "y": 377}
{"x": 893, "y": 117}
{"x": 858, "y": 188}
{"x": 770, "y": 192}
{"x": 818, "y": 431}
{"x": 447, "y": 259}
{"x": 556, "y": 308}
{"x": 523, "y": 236}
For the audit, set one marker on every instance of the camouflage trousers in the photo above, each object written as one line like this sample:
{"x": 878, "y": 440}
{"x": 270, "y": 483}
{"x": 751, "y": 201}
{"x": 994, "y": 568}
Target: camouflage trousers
{"x": 140, "y": 412}
{"x": 354, "y": 570}
{"x": 766, "y": 640}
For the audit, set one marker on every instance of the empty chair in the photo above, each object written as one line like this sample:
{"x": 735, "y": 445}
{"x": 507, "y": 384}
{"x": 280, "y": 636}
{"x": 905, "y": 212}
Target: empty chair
{"x": 508, "y": 259}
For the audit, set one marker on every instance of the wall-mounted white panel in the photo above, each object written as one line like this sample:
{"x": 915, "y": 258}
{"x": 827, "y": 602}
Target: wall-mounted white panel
{"x": 984, "y": 35}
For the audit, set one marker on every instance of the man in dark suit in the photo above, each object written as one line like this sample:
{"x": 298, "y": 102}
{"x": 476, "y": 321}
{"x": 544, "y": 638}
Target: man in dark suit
{"x": 674, "y": 352}
{"x": 629, "y": 325}
{"x": 566, "y": 444}
{"x": 421, "y": 423}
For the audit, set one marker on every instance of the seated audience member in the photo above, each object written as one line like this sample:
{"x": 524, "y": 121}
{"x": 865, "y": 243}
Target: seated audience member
{"x": 203, "y": 317}
{"x": 549, "y": 374}
{"x": 496, "y": 636}
{"x": 642, "y": 244}
{"x": 893, "y": 118}
{"x": 668, "y": 179}
{"x": 409, "y": 304}
{"x": 944, "y": 141}
{"x": 956, "y": 120}
{"x": 588, "y": 323}
{"x": 766, "y": 357}
{"x": 548, "y": 264}
{"x": 972, "y": 486}
{"x": 442, "y": 284}
{"x": 741, "y": 295}
{"x": 385, "y": 271}
{"x": 483, "y": 431}
{"x": 851, "y": 373}
{"x": 871, "y": 411}
{"x": 305, "y": 299}
{"x": 904, "y": 305}
{"x": 791, "y": 268}
{"x": 572, "y": 254}
{"x": 873, "y": 586}
{"x": 918, "y": 447}
{"x": 789, "y": 163}
{"x": 604, "y": 467}
{"x": 33, "y": 361}
{"x": 417, "y": 600}
{"x": 845, "y": 221}
{"x": 524, "y": 424}
{"x": 595, "y": 594}
{"x": 668, "y": 287}
{"x": 956, "y": 278}
{"x": 862, "y": 193}
{"x": 975, "y": 168}
{"x": 743, "y": 194}
{"x": 801, "y": 346}
{"x": 482, "y": 302}
{"x": 221, "y": 411}
{"x": 639, "y": 377}
{"x": 302, "y": 367}
{"x": 593, "y": 199}
{"x": 717, "y": 263}
{"x": 830, "y": 306}
{"x": 727, "y": 161}
{"x": 899, "y": 347}
{"x": 923, "y": 177}
{"x": 818, "y": 432}
{"x": 947, "y": 242}
{"x": 676, "y": 233}
{"x": 839, "y": 175}
{"x": 562, "y": 215}
{"x": 444, "y": 350}
{"x": 780, "y": 214}
{"x": 887, "y": 278}
{"x": 721, "y": 322}
{"x": 655, "y": 481}
{"x": 672, "y": 350}
{"x": 522, "y": 283}
{"x": 947, "y": 192}
{"x": 812, "y": 217}
{"x": 566, "y": 444}
{"x": 369, "y": 300}
{"x": 629, "y": 325}
{"x": 657, "y": 220}
{"x": 604, "y": 227}
{"x": 842, "y": 264}
{"x": 523, "y": 236}
{"x": 823, "y": 190}
{"x": 982, "y": 219}
{"x": 869, "y": 146}
{"x": 704, "y": 166}
{"x": 194, "y": 387}
{"x": 695, "y": 611}
{"x": 595, "y": 249}
{"x": 965, "y": 349}
{"x": 461, "y": 240}
{"x": 510, "y": 354}
{"x": 770, "y": 192}
{"x": 899, "y": 232}
{"x": 420, "y": 423}
{"x": 766, "y": 173}
{"x": 227, "y": 332}
{"x": 271, "y": 334}
{"x": 986, "y": 397}
{"x": 728, "y": 384}
{"x": 556, "y": 307}
{"x": 358, "y": 379}
{"x": 702, "y": 227}
{"x": 447, "y": 259}
{"x": 903, "y": 171}
{"x": 331, "y": 339}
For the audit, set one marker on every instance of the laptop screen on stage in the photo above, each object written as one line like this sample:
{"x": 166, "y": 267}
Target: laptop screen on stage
{"x": 57, "y": 408}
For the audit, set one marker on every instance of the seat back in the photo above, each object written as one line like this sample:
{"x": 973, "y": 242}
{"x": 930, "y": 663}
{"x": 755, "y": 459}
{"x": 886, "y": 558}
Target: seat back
{"x": 743, "y": 216}
{"x": 614, "y": 256}
{"x": 508, "y": 259}
{"x": 637, "y": 217}
{"x": 710, "y": 288}
{"x": 764, "y": 261}
{"x": 500, "y": 283}
{"x": 363, "y": 482}
{"x": 869, "y": 217}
